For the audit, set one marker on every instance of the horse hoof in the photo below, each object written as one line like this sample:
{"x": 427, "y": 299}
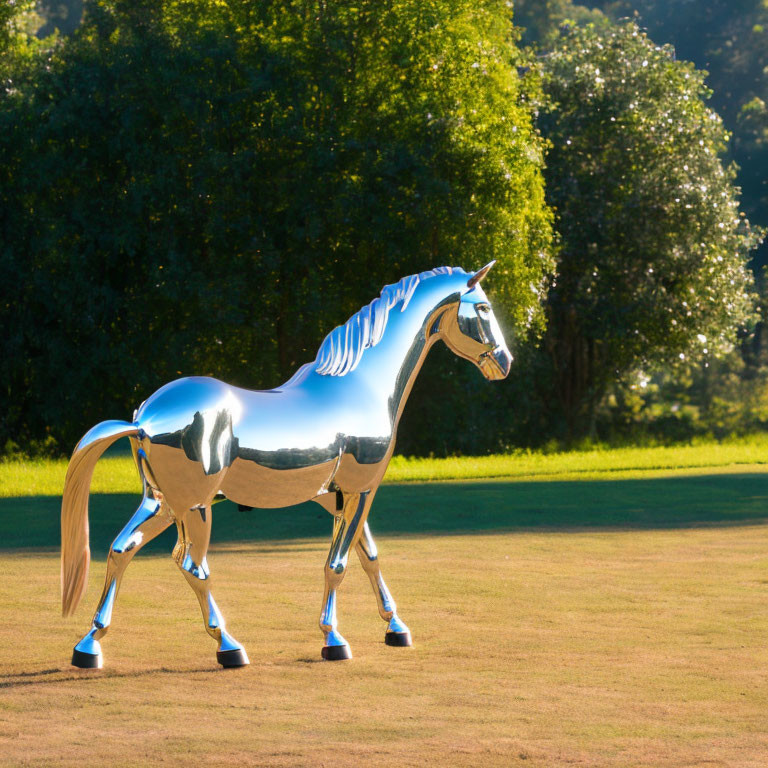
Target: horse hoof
{"x": 398, "y": 639}
{"x": 234, "y": 658}
{"x": 86, "y": 660}
{"x": 336, "y": 652}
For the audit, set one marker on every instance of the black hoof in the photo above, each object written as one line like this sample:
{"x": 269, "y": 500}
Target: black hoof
{"x": 336, "y": 652}
{"x": 398, "y": 639}
{"x": 235, "y": 658}
{"x": 86, "y": 660}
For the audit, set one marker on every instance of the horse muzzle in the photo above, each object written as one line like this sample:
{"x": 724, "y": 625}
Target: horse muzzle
{"x": 495, "y": 363}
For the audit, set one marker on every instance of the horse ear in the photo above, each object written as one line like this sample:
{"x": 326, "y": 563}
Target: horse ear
{"x": 480, "y": 274}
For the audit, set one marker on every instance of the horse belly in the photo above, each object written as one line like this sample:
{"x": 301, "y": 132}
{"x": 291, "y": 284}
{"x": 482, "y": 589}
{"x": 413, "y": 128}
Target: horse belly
{"x": 354, "y": 477}
{"x": 251, "y": 484}
{"x": 185, "y": 483}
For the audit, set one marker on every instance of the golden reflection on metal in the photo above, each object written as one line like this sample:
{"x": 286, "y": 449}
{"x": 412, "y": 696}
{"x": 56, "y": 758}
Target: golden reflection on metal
{"x": 327, "y": 435}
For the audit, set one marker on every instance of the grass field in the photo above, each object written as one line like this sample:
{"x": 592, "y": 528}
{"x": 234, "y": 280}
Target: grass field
{"x": 116, "y": 473}
{"x": 588, "y": 612}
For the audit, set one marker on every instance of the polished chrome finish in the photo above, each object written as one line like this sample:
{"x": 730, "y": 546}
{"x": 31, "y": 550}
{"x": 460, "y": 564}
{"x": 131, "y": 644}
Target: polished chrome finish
{"x": 347, "y": 528}
{"x": 149, "y": 520}
{"x": 190, "y": 555}
{"x": 327, "y": 435}
{"x": 397, "y": 632}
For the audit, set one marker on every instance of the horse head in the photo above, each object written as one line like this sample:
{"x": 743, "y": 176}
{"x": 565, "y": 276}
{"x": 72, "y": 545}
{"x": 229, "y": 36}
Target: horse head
{"x": 472, "y": 331}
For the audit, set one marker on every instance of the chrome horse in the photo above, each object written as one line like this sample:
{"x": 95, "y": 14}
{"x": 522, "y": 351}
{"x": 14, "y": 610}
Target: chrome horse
{"x": 327, "y": 435}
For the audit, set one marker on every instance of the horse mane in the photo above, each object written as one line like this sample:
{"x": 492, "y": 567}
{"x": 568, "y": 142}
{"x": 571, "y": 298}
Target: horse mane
{"x": 343, "y": 347}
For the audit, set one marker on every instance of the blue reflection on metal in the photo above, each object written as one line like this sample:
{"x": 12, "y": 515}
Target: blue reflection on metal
{"x": 327, "y": 434}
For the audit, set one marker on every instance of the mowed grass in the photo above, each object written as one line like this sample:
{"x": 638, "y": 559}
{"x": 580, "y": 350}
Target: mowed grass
{"x": 117, "y": 473}
{"x": 620, "y": 621}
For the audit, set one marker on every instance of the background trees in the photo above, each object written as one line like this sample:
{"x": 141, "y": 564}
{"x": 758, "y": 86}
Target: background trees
{"x": 18, "y": 23}
{"x": 728, "y": 40}
{"x": 652, "y": 264}
{"x": 542, "y": 20}
{"x": 210, "y": 188}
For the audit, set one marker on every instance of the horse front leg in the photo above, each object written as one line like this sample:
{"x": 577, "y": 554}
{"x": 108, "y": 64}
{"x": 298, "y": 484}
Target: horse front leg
{"x": 150, "y": 519}
{"x": 190, "y": 554}
{"x": 397, "y": 633}
{"x": 347, "y": 529}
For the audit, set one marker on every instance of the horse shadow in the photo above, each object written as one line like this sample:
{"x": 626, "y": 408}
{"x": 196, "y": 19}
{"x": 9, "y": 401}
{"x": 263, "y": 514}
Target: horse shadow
{"x": 432, "y": 509}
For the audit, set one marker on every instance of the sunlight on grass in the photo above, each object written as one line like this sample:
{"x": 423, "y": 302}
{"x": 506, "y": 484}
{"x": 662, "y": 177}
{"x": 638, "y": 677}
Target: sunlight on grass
{"x": 632, "y": 649}
{"x": 588, "y": 464}
{"x": 118, "y": 474}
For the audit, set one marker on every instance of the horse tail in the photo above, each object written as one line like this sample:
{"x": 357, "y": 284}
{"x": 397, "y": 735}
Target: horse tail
{"x": 75, "y": 551}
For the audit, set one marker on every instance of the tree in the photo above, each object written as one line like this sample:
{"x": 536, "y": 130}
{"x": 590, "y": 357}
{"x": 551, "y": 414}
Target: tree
{"x": 653, "y": 255}
{"x": 728, "y": 38}
{"x": 206, "y": 187}
{"x": 541, "y": 20}
{"x": 17, "y": 44}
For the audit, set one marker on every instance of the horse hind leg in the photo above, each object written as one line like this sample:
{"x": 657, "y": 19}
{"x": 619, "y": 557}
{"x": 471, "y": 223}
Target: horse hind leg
{"x": 150, "y": 519}
{"x": 190, "y": 554}
{"x": 397, "y": 633}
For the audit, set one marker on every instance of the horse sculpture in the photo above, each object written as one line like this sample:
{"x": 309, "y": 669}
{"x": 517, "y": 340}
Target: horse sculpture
{"x": 327, "y": 435}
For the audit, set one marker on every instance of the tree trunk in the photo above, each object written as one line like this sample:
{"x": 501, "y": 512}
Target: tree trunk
{"x": 575, "y": 360}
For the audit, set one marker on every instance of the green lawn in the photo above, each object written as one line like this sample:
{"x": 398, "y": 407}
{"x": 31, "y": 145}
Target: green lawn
{"x": 117, "y": 474}
{"x": 591, "y": 609}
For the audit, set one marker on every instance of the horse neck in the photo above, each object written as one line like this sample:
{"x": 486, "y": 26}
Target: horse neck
{"x": 394, "y": 363}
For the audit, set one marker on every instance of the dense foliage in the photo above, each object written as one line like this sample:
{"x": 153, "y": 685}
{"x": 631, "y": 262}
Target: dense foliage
{"x": 542, "y": 21}
{"x": 210, "y": 187}
{"x": 18, "y": 44}
{"x": 729, "y": 38}
{"x": 652, "y": 266}
{"x": 198, "y": 186}
{"x": 730, "y": 41}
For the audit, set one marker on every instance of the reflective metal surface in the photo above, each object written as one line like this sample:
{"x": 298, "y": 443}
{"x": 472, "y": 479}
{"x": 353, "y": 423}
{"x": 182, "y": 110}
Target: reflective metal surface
{"x": 327, "y": 434}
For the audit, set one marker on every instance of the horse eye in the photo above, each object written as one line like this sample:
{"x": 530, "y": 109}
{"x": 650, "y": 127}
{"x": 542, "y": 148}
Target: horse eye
{"x": 483, "y": 309}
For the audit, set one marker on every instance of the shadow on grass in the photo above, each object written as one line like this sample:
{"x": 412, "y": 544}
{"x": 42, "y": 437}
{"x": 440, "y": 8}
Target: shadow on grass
{"x": 437, "y": 508}
{"x": 70, "y": 674}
